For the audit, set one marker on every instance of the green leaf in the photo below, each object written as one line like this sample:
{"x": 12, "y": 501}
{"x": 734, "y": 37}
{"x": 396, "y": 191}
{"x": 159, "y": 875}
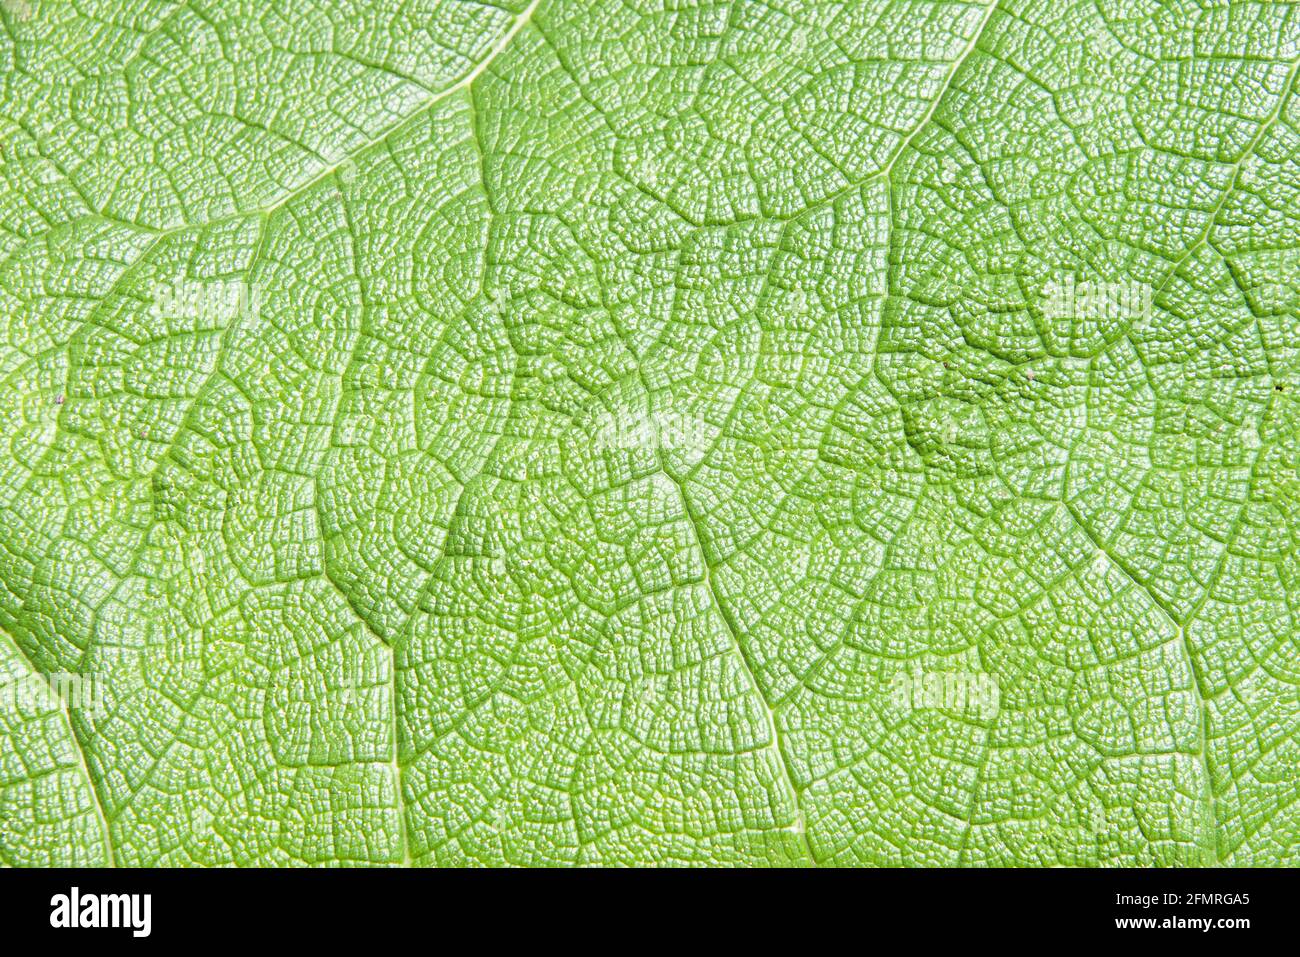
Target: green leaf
{"x": 561, "y": 432}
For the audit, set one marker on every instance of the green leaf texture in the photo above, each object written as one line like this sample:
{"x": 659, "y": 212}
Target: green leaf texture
{"x": 575, "y": 432}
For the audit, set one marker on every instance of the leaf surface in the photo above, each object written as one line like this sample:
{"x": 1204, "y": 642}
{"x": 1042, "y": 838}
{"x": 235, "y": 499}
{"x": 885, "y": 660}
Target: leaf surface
{"x": 561, "y": 432}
